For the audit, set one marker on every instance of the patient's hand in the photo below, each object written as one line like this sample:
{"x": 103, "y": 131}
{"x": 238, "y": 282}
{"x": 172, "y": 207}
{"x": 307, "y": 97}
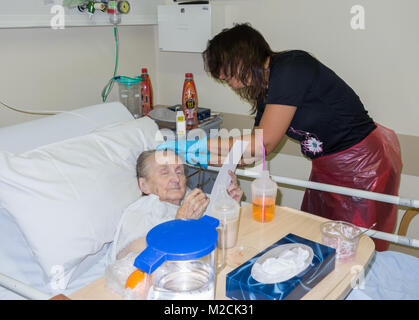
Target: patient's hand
{"x": 234, "y": 189}
{"x": 193, "y": 205}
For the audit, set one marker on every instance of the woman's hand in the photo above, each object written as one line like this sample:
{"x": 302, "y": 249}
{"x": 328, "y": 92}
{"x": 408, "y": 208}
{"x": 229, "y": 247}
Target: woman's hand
{"x": 234, "y": 189}
{"x": 193, "y": 205}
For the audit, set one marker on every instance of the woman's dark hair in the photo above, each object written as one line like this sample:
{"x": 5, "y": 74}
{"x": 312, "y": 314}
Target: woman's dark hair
{"x": 240, "y": 51}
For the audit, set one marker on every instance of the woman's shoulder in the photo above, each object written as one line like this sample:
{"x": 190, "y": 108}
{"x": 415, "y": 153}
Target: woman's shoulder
{"x": 293, "y": 58}
{"x": 295, "y": 64}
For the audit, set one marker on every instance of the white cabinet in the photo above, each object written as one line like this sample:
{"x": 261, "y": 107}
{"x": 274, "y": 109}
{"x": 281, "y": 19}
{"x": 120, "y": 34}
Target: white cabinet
{"x": 184, "y": 28}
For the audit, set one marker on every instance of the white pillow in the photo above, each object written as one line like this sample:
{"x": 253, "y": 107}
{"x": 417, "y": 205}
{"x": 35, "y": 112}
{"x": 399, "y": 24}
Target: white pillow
{"x": 67, "y": 197}
{"x": 32, "y": 134}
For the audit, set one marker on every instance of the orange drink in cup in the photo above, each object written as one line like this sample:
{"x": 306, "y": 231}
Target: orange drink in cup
{"x": 263, "y": 209}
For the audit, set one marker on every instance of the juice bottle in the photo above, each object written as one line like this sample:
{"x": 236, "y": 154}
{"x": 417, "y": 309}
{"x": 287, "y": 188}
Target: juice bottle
{"x": 146, "y": 92}
{"x": 190, "y": 102}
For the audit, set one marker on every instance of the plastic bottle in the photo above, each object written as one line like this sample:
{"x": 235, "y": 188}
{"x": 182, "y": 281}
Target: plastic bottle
{"x": 146, "y": 92}
{"x": 180, "y": 124}
{"x": 226, "y": 210}
{"x": 190, "y": 102}
{"x": 264, "y": 191}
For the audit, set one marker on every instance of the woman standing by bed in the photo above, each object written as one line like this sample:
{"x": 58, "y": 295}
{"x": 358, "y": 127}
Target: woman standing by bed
{"x": 294, "y": 94}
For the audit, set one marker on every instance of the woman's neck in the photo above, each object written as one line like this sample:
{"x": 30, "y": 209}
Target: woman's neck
{"x": 268, "y": 60}
{"x": 267, "y": 71}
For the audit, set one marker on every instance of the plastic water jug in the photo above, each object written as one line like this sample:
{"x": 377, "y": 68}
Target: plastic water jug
{"x": 180, "y": 257}
{"x": 130, "y": 94}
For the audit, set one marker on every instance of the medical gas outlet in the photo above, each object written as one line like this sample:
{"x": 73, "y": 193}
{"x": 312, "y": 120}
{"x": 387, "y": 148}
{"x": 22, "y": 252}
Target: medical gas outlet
{"x": 113, "y": 8}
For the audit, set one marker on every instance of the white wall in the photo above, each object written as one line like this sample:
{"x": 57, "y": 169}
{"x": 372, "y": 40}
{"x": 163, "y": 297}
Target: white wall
{"x": 42, "y": 68}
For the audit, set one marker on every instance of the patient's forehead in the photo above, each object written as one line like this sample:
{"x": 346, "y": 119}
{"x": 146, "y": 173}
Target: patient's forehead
{"x": 167, "y": 157}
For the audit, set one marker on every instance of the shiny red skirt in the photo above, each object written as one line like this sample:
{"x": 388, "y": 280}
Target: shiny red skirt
{"x": 374, "y": 164}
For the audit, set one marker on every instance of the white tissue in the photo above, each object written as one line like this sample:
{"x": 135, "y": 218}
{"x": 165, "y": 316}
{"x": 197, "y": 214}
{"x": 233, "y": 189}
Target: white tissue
{"x": 286, "y": 265}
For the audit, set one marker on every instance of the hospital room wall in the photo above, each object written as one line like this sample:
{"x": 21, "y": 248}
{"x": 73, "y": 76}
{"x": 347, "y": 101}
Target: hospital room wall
{"x": 48, "y": 69}
{"x": 379, "y": 62}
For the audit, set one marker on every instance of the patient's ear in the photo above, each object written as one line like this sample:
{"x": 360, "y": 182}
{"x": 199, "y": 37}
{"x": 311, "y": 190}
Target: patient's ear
{"x": 144, "y": 187}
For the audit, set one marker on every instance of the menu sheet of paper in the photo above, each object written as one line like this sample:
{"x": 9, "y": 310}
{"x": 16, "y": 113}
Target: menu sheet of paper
{"x": 223, "y": 179}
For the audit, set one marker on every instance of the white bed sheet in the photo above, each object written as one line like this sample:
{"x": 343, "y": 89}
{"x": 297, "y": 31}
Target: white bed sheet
{"x": 94, "y": 273}
{"x": 391, "y": 276}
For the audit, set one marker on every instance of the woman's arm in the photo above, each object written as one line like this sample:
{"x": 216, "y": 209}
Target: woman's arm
{"x": 272, "y": 127}
{"x": 275, "y": 122}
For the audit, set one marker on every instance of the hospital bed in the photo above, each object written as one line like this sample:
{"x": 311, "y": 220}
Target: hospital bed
{"x": 64, "y": 181}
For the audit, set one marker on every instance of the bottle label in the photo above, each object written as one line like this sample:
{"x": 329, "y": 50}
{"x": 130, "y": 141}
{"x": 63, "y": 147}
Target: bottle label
{"x": 145, "y": 98}
{"x": 190, "y": 103}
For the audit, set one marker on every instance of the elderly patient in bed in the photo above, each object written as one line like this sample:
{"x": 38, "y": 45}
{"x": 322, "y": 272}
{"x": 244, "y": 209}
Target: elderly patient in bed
{"x": 162, "y": 180}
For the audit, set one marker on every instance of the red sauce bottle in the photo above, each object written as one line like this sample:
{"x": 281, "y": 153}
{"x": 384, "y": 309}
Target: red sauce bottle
{"x": 190, "y": 102}
{"x": 146, "y": 92}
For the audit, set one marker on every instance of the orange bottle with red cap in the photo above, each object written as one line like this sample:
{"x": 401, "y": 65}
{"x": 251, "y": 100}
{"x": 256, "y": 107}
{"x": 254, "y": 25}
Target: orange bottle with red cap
{"x": 146, "y": 92}
{"x": 190, "y": 102}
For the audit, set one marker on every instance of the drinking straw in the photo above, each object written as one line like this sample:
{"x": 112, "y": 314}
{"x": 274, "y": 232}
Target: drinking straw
{"x": 263, "y": 149}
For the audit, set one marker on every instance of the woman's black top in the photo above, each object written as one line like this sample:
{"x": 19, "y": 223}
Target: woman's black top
{"x": 329, "y": 118}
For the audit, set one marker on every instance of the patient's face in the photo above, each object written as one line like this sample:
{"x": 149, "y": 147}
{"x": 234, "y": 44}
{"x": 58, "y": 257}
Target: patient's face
{"x": 166, "y": 180}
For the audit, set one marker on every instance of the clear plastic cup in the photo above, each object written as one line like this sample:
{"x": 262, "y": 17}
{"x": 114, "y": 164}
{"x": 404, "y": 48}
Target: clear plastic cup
{"x": 226, "y": 210}
{"x": 342, "y": 236}
{"x": 264, "y": 192}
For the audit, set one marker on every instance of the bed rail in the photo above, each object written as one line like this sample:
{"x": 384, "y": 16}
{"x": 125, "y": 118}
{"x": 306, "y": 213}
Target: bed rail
{"x": 399, "y": 239}
{"x": 22, "y": 289}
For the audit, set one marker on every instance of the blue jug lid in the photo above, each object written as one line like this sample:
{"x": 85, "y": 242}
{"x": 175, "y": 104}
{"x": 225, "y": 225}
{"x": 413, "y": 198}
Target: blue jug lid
{"x": 178, "y": 240}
